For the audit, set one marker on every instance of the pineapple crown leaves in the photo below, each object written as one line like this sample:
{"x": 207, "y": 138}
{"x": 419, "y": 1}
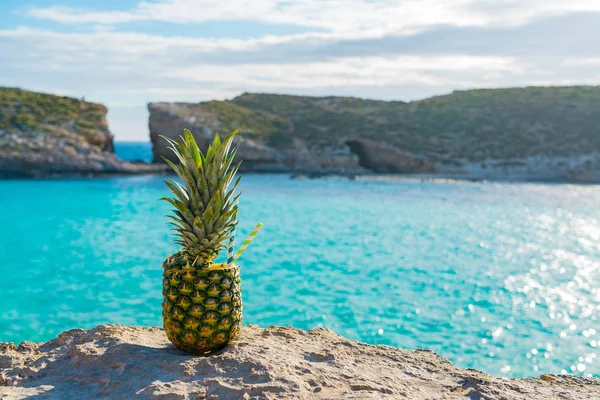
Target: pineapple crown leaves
{"x": 204, "y": 207}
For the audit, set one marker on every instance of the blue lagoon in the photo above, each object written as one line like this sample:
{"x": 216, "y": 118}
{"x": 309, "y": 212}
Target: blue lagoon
{"x": 499, "y": 277}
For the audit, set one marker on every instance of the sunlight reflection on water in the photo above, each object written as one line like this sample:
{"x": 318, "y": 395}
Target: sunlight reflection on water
{"x": 499, "y": 277}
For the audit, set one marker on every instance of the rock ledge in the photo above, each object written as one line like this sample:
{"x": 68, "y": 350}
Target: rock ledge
{"x": 276, "y": 363}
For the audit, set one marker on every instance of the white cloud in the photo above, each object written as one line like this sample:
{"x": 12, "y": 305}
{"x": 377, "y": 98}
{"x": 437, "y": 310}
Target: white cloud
{"x": 342, "y": 16}
{"x": 582, "y": 61}
{"x": 68, "y": 15}
{"x": 356, "y": 71}
{"x": 156, "y": 65}
{"x": 334, "y": 15}
{"x": 133, "y": 68}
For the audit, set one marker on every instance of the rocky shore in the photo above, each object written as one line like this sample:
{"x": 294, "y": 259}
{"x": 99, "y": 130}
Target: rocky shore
{"x": 43, "y": 135}
{"x": 541, "y": 134}
{"x": 533, "y": 134}
{"x": 120, "y": 362}
{"x": 350, "y": 155}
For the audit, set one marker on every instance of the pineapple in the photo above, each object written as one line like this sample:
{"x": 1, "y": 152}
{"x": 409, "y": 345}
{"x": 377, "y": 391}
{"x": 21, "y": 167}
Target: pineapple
{"x": 202, "y": 301}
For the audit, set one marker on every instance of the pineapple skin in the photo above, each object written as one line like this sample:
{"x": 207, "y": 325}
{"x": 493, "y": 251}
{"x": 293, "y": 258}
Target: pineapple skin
{"x": 202, "y": 308}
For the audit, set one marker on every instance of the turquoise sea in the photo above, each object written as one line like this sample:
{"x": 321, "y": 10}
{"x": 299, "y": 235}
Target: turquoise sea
{"x": 500, "y": 277}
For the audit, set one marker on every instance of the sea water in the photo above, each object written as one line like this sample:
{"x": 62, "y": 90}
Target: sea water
{"x": 495, "y": 276}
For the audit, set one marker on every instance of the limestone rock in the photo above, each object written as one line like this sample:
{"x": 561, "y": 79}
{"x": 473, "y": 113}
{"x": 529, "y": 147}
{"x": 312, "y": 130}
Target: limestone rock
{"x": 44, "y": 135}
{"x": 120, "y": 362}
{"x": 383, "y": 158}
{"x": 170, "y": 119}
{"x": 517, "y": 134}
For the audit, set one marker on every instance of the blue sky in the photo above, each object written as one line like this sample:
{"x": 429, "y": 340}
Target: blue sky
{"x": 127, "y": 53}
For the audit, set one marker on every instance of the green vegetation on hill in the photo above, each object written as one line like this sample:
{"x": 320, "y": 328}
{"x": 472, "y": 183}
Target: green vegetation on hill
{"x": 254, "y": 123}
{"x": 39, "y": 113}
{"x": 505, "y": 123}
{"x": 472, "y": 124}
{"x": 320, "y": 120}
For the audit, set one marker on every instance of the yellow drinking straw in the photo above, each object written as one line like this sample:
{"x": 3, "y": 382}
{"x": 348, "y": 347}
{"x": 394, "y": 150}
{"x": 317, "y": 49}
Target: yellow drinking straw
{"x": 247, "y": 242}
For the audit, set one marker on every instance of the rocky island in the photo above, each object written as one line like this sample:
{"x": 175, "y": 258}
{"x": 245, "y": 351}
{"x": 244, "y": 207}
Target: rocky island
{"x": 44, "y": 135}
{"x": 116, "y": 361}
{"x": 520, "y": 134}
{"x": 524, "y": 134}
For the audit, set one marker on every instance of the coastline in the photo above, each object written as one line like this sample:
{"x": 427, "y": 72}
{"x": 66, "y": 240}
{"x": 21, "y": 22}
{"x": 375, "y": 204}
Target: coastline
{"x": 454, "y": 178}
{"x": 441, "y": 177}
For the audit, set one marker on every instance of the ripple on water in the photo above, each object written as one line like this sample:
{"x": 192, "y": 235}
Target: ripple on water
{"x": 499, "y": 277}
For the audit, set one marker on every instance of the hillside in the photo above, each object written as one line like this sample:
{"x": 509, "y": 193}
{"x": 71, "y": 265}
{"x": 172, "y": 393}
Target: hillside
{"x": 46, "y": 135}
{"x": 537, "y": 133}
{"x": 473, "y": 124}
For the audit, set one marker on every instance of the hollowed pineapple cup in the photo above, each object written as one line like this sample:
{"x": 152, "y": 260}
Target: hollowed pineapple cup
{"x": 202, "y": 309}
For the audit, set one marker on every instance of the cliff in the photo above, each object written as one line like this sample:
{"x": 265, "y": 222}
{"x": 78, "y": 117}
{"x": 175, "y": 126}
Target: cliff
{"x": 115, "y": 361}
{"x": 533, "y": 133}
{"x": 46, "y": 135}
